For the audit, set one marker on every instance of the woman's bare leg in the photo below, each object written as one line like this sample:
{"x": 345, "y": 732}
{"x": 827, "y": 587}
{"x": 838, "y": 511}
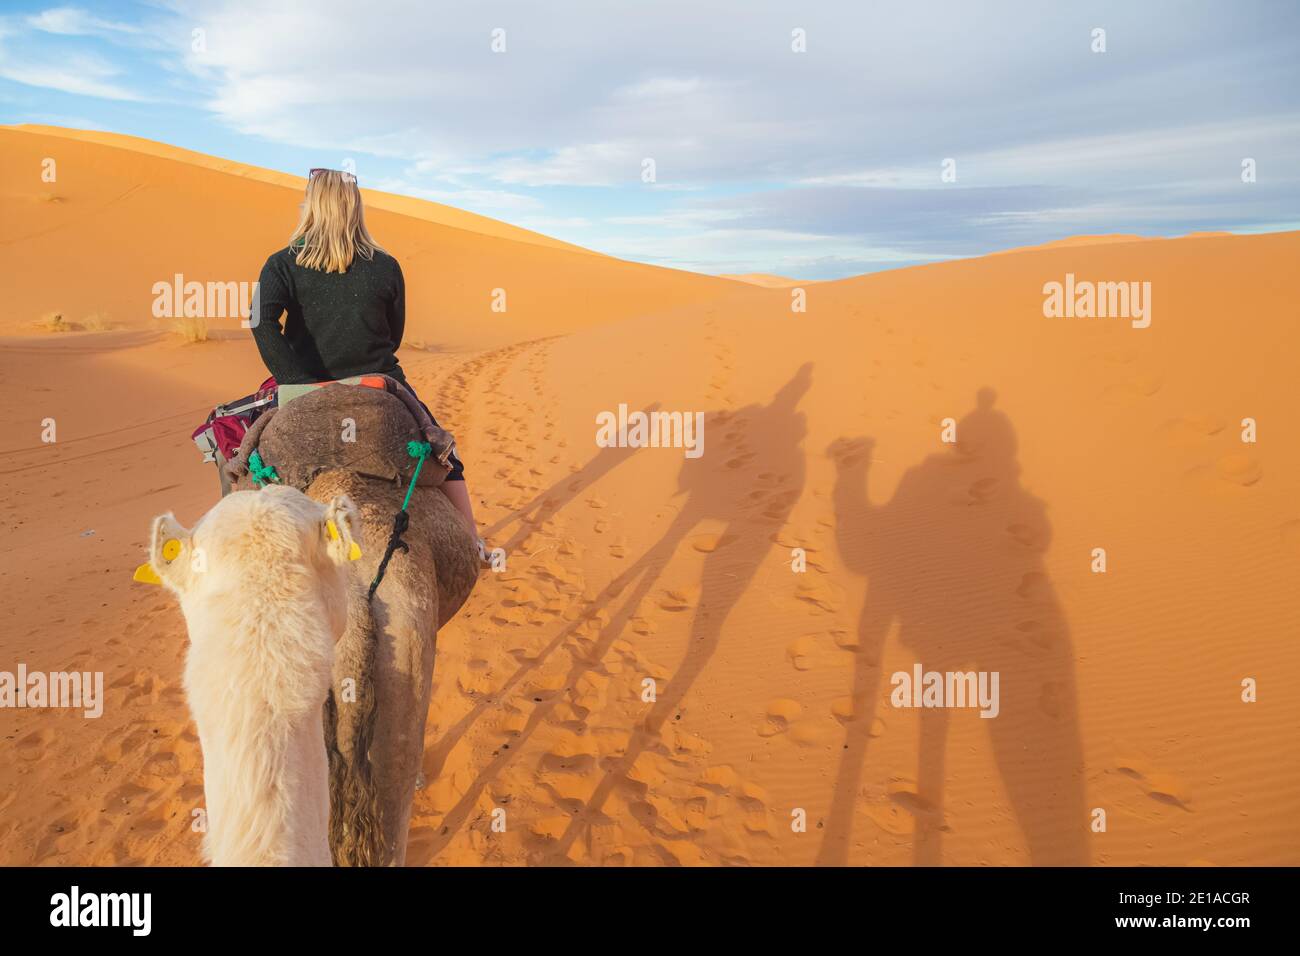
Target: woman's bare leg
{"x": 457, "y": 493}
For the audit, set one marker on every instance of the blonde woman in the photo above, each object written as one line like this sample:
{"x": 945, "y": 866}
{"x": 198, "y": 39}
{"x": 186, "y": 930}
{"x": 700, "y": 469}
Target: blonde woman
{"x": 344, "y": 302}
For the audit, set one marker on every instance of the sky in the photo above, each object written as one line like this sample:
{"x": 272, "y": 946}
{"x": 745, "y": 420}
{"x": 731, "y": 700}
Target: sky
{"x": 810, "y": 138}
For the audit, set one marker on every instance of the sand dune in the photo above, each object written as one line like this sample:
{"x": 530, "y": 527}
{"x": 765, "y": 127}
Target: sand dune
{"x": 416, "y": 208}
{"x": 766, "y": 280}
{"x": 1103, "y": 240}
{"x": 1120, "y": 691}
{"x": 212, "y": 221}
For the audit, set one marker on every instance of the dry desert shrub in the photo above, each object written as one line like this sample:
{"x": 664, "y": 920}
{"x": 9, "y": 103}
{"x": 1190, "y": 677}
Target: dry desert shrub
{"x": 53, "y": 322}
{"x": 192, "y": 329}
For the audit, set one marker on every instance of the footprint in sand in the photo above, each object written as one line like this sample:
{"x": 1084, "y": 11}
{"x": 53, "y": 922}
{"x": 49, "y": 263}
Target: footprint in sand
{"x": 846, "y": 640}
{"x": 819, "y": 594}
{"x": 32, "y": 747}
{"x": 780, "y": 713}
{"x": 846, "y": 710}
{"x": 708, "y": 543}
{"x": 914, "y": 803}
{"x": 513, "y": 723}
{"x": 577, "y": 763}
{"x": 720, "y": 778}
{"x": 1023, "y": 534}
{"x": 779, "y": 507}
{"x": 1033, "y": 586}
{"x": 848, "y": 453}
{"x": 811, "y": 733}
{"x": 164, "y": 765}
{"x": 173, "y": 696}
{"x": 142, "y": 687}
{"x": 803, "y": 652}
{"x": 1190, "y": 429}
{"x": 125, "y": 799}
{"x": 901, "y": 811}
{"x": 1037, "y": 632}
{"x": 1160, "y": 787}
{"x": 60, "y": 837}
{"x": 679, "y": 599}
{"x": 980, "y": 491}
{"x": 569, "y": 793}
{"x": 1239, "y": 468}
{"x": 1139, "y": 386}
{"x": 1049, "y": 699}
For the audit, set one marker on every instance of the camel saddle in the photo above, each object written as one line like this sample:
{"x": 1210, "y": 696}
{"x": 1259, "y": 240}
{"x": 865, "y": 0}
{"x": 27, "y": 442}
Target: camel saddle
{"x": 360, "y": 425}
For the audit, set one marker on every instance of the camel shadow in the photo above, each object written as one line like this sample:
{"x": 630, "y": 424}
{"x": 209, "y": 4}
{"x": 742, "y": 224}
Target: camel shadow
{"x": 955, "y": 559}
{"x": 730, "y": 566}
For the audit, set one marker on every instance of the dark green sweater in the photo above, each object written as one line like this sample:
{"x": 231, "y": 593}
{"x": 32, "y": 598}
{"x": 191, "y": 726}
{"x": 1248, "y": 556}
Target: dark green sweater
{"x": 336, "y": 324}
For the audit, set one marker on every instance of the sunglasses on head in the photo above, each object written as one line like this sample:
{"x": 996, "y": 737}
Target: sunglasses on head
{"x": 311, "y": 173}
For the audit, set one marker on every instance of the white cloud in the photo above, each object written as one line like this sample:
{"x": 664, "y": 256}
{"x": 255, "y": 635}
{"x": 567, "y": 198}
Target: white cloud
{"x": 837, "y": 149}
{"x": 686, "y": 218}
{"x": 71, "y": 21}
{"x": 1157, "y": 154}
{"x": 783, "y": 252}
{"x": 714, "y": 93}
{"x": 662, "y": 87}
{"x": 495, "y": 201}
{"x": 557, "y": 223}
{"x": 591, "y": 164}
{"x": 78, "y": 74}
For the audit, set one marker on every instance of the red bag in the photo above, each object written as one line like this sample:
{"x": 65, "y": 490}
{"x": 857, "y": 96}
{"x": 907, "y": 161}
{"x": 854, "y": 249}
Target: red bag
{"x": 226, "y": 425}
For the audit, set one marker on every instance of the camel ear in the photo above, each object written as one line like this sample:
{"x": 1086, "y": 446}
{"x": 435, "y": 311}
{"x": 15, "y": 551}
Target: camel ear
{"x": 170, "y": 547}
{"x": 342, "y": 521}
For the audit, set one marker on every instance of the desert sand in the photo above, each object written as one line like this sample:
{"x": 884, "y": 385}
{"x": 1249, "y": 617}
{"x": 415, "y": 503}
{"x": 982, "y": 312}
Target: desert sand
{"x": 766, "y": 280}
{"x": 1121, "y": 691}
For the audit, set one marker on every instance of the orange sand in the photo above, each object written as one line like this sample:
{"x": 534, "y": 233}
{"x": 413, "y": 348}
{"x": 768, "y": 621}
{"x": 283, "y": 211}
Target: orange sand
{"x": 1120, "y": 691}
{"x": 766, "y": 280}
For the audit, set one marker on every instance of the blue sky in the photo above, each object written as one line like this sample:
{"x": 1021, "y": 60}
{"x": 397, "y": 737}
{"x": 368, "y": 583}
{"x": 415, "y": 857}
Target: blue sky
{"x": 815, "y": 164}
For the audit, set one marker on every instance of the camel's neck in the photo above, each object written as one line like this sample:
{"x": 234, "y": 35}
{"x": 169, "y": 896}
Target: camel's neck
{"x": 266, "y": 775}
{"x": 270, "y": 812}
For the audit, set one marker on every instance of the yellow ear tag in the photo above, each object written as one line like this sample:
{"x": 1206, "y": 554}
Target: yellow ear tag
{"x": 354, "y": 552}
{"x": 145, "y": 574}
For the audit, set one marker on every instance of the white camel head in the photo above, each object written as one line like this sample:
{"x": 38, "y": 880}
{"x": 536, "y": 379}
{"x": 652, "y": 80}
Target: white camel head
{"x": 263, "y": 584}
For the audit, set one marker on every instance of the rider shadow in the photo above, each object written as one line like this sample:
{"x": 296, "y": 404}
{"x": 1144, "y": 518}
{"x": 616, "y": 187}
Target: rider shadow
{"x": 531, "y": 517}
{"x": 956, "y": 560}
{"x": 760, "y": 440}
{"x": 736, "y": 555}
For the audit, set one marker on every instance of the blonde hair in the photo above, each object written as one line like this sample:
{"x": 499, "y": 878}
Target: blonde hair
{"x": 332, "y": 229}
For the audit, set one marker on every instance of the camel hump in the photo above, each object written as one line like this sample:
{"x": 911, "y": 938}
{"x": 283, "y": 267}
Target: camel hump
{"x": 353, "y": 428}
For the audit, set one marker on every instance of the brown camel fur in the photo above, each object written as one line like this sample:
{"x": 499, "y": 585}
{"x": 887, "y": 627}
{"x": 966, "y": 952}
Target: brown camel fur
{"x": 387, "y": 653}
{"x": 383, "y": 666}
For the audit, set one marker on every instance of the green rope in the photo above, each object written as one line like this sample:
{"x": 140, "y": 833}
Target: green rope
{"x": 420, "y": 450}
{"x": 260, "y": 472}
